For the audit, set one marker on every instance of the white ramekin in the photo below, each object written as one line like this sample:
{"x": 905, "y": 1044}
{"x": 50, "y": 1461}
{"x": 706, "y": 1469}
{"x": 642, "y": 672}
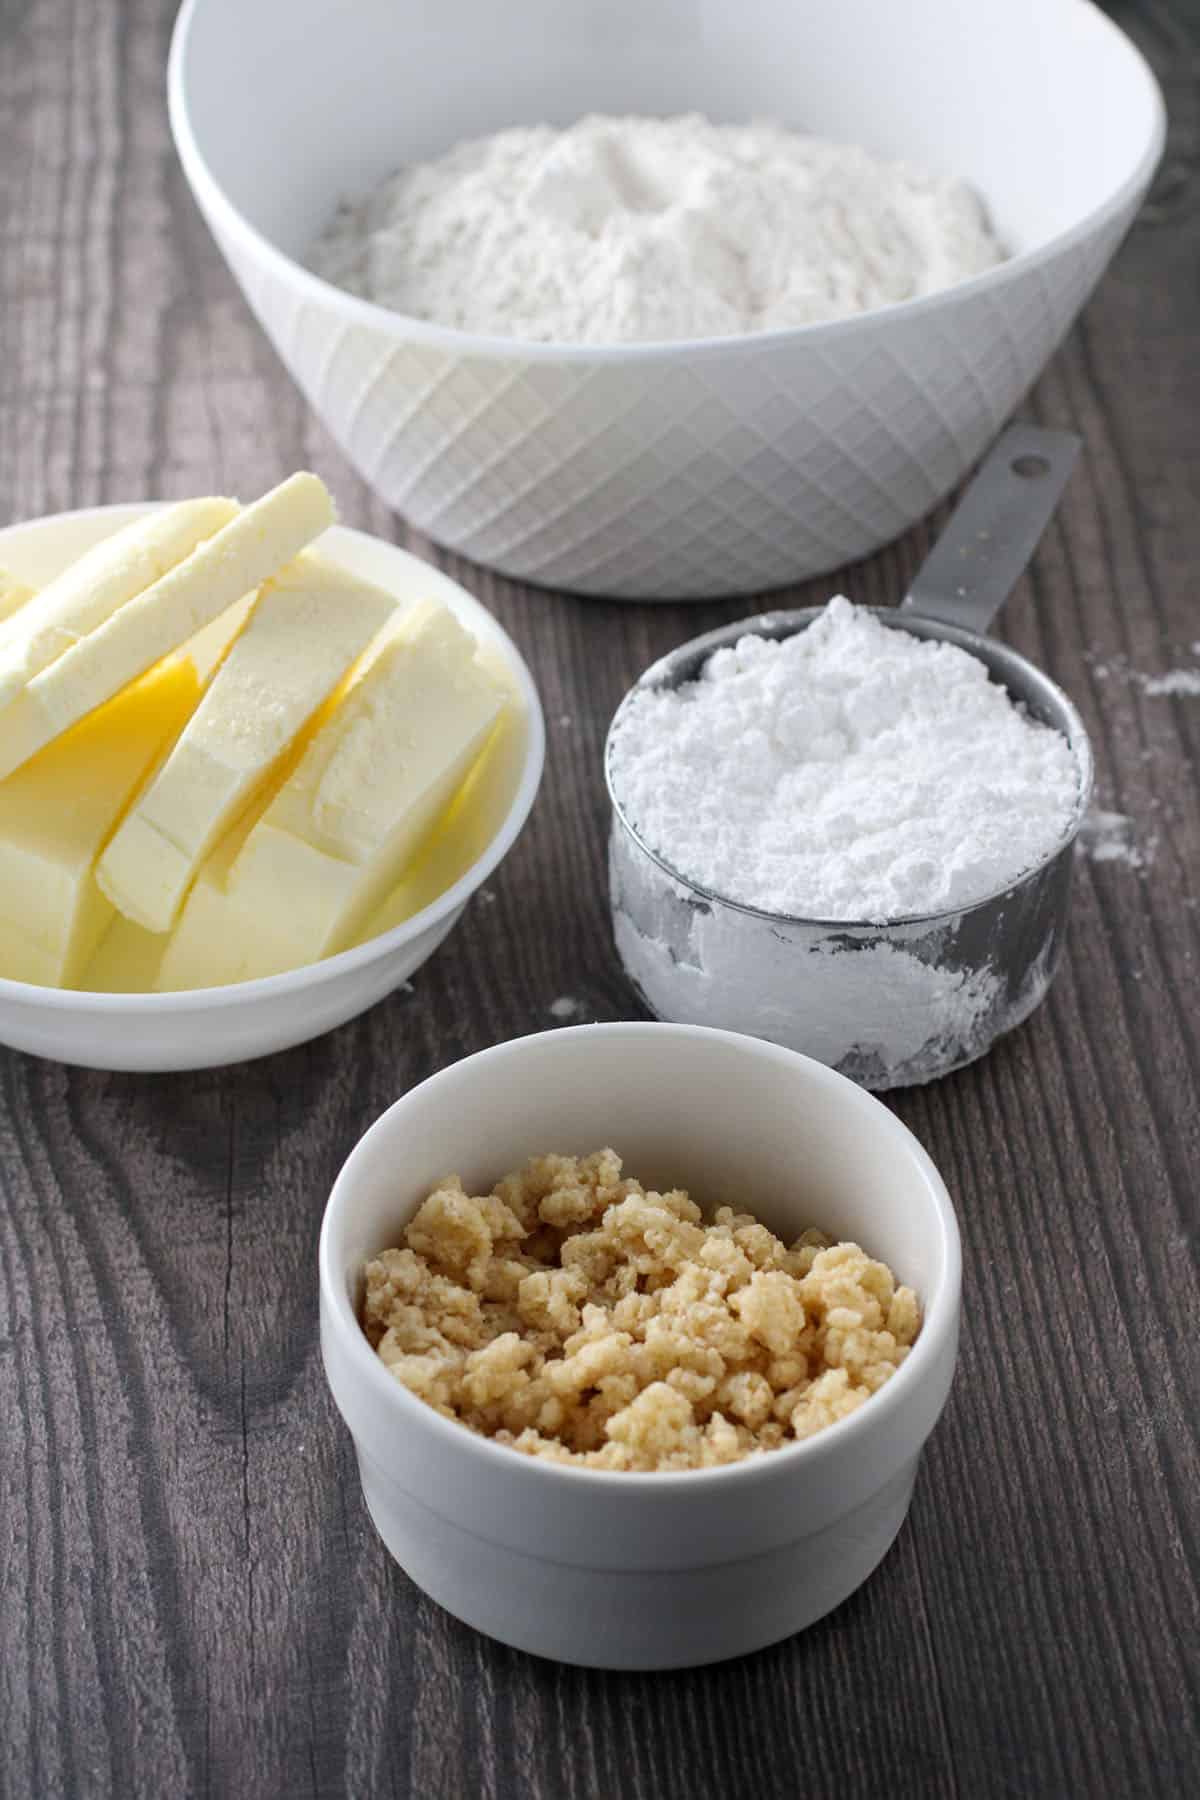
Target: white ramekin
{"x": 644, "y": 1571}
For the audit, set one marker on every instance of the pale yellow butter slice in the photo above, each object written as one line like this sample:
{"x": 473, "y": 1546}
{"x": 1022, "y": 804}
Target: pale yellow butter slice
{"x": 90, "y": 590}
{"x": 56, "y": 815}
{"x": 13, "y": 594}
{"x": 465, "y": 829}
{"x": 303, "y": 879}
{"x": 126, "y": 960}
{"x": 255, "y": 543}
{"x": 310, "y": 625}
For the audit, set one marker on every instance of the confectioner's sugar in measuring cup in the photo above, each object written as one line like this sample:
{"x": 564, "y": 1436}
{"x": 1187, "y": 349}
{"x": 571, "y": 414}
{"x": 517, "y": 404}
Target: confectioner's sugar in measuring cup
{"x": 850, "y": 772}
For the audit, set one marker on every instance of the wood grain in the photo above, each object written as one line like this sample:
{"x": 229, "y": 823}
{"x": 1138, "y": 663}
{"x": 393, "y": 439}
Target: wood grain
{"x": 192, "y": 1600}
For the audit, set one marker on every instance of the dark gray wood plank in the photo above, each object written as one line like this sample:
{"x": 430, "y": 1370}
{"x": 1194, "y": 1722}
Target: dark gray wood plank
{"x": 191, "y": 1597}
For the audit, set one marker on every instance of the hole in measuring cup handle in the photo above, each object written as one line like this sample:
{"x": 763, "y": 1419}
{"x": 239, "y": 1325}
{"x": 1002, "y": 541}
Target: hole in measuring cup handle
{"x": 1030, "y": 468}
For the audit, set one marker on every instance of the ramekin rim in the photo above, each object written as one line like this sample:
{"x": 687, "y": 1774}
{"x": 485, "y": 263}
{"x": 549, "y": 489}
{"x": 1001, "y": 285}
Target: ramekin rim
{"x": 939, "y": 1315}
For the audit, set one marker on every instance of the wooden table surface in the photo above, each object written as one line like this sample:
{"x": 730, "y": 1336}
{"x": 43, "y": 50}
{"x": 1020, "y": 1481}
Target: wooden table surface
{"x": 192, "y": 1600}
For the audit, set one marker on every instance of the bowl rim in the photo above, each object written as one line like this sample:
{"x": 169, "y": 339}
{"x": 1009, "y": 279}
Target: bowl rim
{"x": 220, "y": 209}
{"x": 939, "y": 1318}
{"x": 801, "y": 617}
{"x": 345, "y": 962}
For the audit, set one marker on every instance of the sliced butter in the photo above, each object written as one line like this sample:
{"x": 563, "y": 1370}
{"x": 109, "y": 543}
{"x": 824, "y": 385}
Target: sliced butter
{"x": 311, "y": 623}
{"x": 98, "y": 584}
{"x": 126, "y": 961}
{"x": 303, "y": 879}
{"x": 223, "y": 568}
{"x": 56, "y": 815}
{"x": 465, "y": 829}
{"x": 13, "y": 595}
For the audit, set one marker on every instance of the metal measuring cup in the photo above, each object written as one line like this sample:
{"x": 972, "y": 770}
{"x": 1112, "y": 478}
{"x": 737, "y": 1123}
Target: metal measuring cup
{"x": 912, "y": 998}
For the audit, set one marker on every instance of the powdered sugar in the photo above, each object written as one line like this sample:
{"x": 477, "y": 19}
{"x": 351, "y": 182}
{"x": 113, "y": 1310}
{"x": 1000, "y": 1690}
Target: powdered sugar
{"x": 1182, "y": 683}
{"x": 622, "y": 230}
{"x": 850, "y": 771}
{"x": 1174, "y": 681}
{"x": 1112, "y": 837}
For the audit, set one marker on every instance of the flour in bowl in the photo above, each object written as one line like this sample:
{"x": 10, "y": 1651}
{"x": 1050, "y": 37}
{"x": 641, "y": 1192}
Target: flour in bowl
{"x": 851, "y": 771}
{"x": 627, "y": 230}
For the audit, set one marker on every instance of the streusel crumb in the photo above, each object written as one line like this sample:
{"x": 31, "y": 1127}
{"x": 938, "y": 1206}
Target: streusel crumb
{"x": 573, "y": 1315}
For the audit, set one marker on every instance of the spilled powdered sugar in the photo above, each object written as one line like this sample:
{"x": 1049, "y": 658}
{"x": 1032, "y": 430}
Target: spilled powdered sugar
{"x": 1112, "y": 837}
{"x": 1174, "y": 681}
{"x": 1183, "y": 682}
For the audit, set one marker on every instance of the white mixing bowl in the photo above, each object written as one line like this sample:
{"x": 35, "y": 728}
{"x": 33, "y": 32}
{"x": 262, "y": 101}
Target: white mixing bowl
{"x": 645, "y": 1571}
{"x": 211, "y": 1026}
{"x": 689, "y": 469}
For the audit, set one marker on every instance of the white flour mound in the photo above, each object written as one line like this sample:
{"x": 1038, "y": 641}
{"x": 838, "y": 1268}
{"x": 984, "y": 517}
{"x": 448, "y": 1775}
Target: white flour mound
{"x": 849, "y": 772}
{"x": 636, "y": 229}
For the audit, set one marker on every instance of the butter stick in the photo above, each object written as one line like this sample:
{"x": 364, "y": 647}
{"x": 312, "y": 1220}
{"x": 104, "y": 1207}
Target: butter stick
{"x": 56, "y": 814}
{"x": 94, "y": 587}
{"x": 13, "y": 595}
{"x": 309, "y": 626}
{"x": 304, "y": 878}
{"x": 240, "y": 556}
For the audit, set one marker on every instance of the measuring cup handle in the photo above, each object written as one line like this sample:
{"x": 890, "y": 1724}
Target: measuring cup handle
{"x": 995, "y": 528}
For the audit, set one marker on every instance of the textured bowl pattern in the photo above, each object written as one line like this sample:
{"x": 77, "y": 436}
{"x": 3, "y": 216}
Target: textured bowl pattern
{"x": 690, "y": 469}
{"x": 743, "y": 468}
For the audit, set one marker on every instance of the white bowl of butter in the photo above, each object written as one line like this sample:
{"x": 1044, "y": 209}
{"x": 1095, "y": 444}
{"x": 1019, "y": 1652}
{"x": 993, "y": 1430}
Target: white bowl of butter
{"x": 106, "y": 1019}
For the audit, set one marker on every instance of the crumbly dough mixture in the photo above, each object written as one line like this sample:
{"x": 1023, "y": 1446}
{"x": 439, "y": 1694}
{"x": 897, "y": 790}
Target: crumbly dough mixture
{"x": 575, "y": 1316}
